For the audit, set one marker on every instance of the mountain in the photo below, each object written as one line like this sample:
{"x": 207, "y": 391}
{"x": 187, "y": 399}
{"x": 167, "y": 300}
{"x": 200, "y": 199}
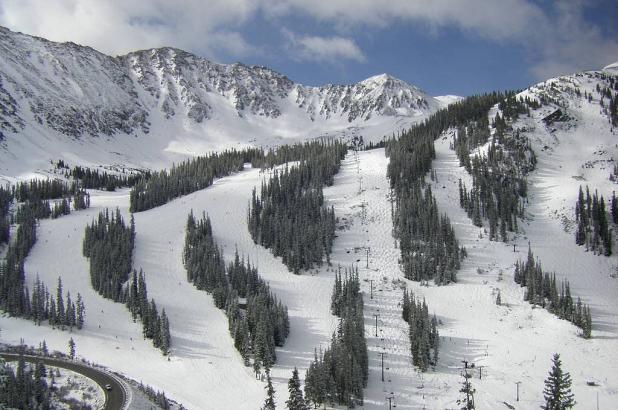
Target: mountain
{"x": 572, "y": 136}
{"x": 151, "y": 107}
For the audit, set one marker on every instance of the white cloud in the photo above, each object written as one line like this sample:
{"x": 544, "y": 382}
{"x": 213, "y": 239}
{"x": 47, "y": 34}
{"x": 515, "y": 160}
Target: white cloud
{"x": 323, "y": 49}
{"x": 119, "y": 26}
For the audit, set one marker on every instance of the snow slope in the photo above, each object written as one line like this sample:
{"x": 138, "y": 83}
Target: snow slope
{"x": 512, "y": 342}
{"x": 150, "y": 108}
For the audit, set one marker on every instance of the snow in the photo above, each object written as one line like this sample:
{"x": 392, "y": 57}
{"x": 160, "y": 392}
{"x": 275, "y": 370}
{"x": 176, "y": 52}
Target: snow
{"x": 513, "y": 342}
{"x": 74, "y": 387}
{"x": 449, "y": 99}
{"x": 611, "y": 68}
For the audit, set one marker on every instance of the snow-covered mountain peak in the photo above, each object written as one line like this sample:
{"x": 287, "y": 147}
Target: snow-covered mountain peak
{"x": 175, "y": 101}
{"x": 386, "y": 81}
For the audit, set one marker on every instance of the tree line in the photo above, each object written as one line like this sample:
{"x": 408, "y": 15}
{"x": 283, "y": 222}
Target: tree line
{"x": 339, "y": 373}
{"x": 257, "y": 321}
{"x": 423, "y": 331}
{"x": 43, "y": 189}
{"x": 593, "y": 227}
{"x": 95, "y": 179}
{"x": 289, "y": 216}
{"x": 189, "y": 176}
{"x": 542, "y": 290}
{"x": 108, "y": 244}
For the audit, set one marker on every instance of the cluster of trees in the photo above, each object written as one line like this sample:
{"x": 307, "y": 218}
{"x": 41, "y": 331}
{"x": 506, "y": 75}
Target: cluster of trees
{"x": 6, "y": 198}
{"x": 108, "y": 243}
{"x": 424, "y": 337}
{"x": 36, "y": 189}
{"x": 14, "y": 298}
{"x": 606, "y": 92}
{"x": 427, "y": 242}
{"x": 25, "y": 387}
{"x": 187, "y": 177}
{"x": 511, "y": 106}
{"x": 157, "y": 397}
{"x": 154, "y": 326}
{"x": 339, "y": 374}
{"x": 192, "y": 175}
{"x": 499, "y": 185}
{"x": 43, "y": 306}
{"x": 542, "y": 290}
{"x": 94, "y": 179}
{"x": 429, "y": 249}
{"x": 258, "y": 322}
{"x": 288, "y": 153}
{"x": 43, "y": 208}
{"x": 290, "y": 217}
{"x": 593, "y": 228}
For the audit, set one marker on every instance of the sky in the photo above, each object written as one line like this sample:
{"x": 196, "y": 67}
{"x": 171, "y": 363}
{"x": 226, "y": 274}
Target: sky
{"x": 459, "y": 47}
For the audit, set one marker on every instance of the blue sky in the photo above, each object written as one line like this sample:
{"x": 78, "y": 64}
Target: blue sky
{"x": 442, "y": 46}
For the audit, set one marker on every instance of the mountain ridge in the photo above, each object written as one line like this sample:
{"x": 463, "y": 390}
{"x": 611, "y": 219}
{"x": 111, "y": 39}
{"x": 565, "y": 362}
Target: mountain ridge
{"x": 175, "y": 104}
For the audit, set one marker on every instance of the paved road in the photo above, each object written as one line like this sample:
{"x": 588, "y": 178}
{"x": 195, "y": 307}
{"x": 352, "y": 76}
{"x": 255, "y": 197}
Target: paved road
{"x": 114, "y": 398}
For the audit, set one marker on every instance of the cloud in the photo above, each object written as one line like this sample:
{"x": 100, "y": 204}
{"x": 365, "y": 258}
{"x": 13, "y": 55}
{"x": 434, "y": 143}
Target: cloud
{"x": 557, "y": 38}
{"x": 119, "y": 26}
{"x": 323, "y": 49}
{"x": 570, "y": 44}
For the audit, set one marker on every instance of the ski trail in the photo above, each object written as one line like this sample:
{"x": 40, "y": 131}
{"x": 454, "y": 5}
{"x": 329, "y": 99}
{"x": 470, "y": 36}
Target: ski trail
{"x": 514, "y": 342}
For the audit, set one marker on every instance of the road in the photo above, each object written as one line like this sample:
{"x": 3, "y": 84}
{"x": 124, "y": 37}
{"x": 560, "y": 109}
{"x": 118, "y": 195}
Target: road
{"x": 114, "y": 398}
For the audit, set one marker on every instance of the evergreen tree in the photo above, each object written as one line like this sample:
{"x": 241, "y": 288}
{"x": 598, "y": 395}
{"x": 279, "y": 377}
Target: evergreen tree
{"x": 269, "y": 403}
{"x": 164, "y": 333}
{"x": 557, "y": 392}
{"x": 80, "y": 312}
{"x": 72, "y": 348}
{"x": 296, "y": 400}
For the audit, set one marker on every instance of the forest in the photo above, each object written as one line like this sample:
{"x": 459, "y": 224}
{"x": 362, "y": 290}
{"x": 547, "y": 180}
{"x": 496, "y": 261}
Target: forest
{"x": 258, "y": 322}
{"x": 289, "y": 216}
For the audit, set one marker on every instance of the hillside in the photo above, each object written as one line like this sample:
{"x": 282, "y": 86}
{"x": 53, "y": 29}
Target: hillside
{"x": 150, "y": 108}
{"x": 566, "y": 122}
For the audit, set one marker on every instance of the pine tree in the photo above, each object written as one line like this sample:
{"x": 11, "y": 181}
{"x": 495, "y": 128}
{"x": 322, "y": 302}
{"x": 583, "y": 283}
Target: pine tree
{"x": 164, "y": 333}
{"x": 269, "y": 403}
{"x": 296, "y": 400}
{"x": 557, "y": 392}
{"x": 60, "y": 310}
{"x": 72, "y": 348}
{"x": 80, "y": 311}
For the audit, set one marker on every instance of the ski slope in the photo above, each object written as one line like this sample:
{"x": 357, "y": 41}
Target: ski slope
{"x": 512, "y": 342}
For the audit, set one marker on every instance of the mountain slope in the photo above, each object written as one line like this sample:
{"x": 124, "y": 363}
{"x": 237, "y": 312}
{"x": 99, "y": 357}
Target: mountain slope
{"x": 152, "y": 107}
